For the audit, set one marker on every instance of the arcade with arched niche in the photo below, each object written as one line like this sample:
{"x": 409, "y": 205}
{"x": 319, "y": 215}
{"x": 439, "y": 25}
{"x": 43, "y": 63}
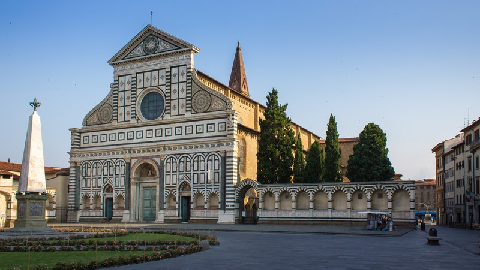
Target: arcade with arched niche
{"x": 330, "y": 202}
{"x": 170, "y": 188}
{"x": 247, "y": 201}
{"x": 192, "y": 187}
{"x": 101, "y": 183}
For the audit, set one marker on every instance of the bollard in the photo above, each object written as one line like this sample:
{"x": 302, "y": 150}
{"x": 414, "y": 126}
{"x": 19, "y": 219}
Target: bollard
{"x": 422, "y": 226}
{"x": 432, "y": 232}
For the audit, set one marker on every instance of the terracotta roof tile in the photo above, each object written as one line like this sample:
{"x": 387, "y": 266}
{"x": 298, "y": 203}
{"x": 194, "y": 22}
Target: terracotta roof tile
{"x": 9, "y": 166}
{"x": 15, "y": 167}
{"x": 6, "y": 172}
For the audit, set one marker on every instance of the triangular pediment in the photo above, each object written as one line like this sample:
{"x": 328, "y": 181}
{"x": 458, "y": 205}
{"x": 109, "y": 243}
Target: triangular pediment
{"x": 151, "y": 42}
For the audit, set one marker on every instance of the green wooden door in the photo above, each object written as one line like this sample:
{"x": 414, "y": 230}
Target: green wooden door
{"x": 185, "y": 208}
{"x": 149, "y": 204}
{"x": 108, "y": 208}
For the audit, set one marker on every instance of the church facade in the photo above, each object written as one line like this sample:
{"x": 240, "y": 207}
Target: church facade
{"x": 169, "y": 143}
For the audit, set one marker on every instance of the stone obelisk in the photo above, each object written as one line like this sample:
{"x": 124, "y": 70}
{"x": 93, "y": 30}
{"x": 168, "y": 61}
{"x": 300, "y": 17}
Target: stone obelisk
{"x": 31, "y": 195}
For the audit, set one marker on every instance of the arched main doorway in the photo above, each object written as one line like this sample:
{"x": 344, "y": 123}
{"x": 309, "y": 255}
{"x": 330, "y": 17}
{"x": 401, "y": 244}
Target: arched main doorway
{"x": 248, "y": 205}
{"x": 144, "y": 190}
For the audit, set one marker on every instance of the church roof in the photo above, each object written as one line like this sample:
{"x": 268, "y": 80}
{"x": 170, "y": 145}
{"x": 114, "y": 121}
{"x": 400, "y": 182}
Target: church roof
{"x": 238, "y": 78}
{"x": 151, "y": 42}
{"x": 211, "y": 79}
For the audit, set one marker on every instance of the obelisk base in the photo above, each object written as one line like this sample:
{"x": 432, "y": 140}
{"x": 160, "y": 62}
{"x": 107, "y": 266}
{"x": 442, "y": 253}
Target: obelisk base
{"x": 31, "y": 211}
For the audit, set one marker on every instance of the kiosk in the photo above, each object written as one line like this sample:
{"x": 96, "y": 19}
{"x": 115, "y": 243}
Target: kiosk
{"x": 377, "y": 220}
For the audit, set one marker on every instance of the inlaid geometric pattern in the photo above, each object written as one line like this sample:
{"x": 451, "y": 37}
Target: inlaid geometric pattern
{"x": 151, "y": 104}
{"x": 124, "y": 98}
{"x": 178, "y": 90}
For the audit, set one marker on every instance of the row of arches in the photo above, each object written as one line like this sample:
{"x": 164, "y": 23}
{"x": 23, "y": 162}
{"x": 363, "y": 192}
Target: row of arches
{"x": 198, "y": 203}
{"x": 391, "y": 196}
{"x": 378, "y": 200}
{"x": 94, "y": 202}
{"x": 95, "y": 174}
{"x": 199, "y": 168}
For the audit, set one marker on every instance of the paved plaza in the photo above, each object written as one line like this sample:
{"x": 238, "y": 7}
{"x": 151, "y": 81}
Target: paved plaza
{"x": 301, "y": 249}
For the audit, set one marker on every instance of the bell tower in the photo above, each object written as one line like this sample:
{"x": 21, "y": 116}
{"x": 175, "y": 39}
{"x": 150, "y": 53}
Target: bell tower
{"x": 238, "y": 78}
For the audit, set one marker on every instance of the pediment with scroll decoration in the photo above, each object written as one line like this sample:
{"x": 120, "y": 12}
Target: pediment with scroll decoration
{"x": 151, "y": 42}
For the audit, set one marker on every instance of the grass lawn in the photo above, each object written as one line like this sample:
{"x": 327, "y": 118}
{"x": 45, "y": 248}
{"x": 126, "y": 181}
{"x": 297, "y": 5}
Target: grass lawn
{"x": 140, "y": 237}
{"x": 22, "y": 260}
{"x": 25, "y": 260}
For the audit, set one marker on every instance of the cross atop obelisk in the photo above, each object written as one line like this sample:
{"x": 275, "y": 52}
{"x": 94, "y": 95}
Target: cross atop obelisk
{"x": 32, "y": 177}
{"x": 35, "y": 104}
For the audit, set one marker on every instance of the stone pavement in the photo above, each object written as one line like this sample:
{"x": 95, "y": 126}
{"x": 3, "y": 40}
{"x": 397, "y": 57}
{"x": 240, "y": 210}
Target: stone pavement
{"x": 257, "y": 250}
{"x": 464, "y": 239}
{"x": 313, "y": 247}
{"x": 324, "y": 247}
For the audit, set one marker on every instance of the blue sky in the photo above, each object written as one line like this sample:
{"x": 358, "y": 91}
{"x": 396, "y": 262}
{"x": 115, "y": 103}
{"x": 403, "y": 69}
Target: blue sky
{"x": 412, "y": 67}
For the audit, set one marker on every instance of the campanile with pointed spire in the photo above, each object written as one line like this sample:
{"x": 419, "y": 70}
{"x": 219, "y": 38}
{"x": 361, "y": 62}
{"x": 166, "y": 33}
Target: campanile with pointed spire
{"x": 238, "y": 78}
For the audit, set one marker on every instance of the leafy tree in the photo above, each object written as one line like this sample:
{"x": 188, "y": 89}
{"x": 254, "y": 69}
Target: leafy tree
{"x": 275, "y": 157}
{"x": 332, "y": 153}
{"x": 314, "y": 169}
{"x": 369, "y": 161}
{"x": 298, "y": 162}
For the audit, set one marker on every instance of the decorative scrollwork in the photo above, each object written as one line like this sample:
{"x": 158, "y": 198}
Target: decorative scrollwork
{"x": 201, "y": 101}
{"x": 150, "y": 45}
{"x": 105, "y": 114}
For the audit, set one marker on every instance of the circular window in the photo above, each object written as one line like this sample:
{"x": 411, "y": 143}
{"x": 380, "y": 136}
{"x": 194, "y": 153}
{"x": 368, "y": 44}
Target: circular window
{"x": 152, "y": 106}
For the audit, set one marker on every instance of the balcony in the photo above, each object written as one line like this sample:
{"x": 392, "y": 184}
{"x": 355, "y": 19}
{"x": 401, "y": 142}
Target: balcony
{"x": 475, "y": 144}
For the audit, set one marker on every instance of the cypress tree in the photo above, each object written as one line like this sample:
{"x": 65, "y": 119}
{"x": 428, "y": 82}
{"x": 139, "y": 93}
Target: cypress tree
{"x": 332, "y": 153}
{"x": 299, "y": 162}
{"x": 369, "y": 161}
{"x": 322, "y": 164}
{"x": 275, "y": 157}
{"x": 315, "y": 164}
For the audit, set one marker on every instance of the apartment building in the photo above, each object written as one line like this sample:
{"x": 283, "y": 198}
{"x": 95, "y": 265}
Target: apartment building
{"x": 472, "y": 170}
{"x": 439, "y": 177}
{"x": 425, "y": 195}
{"x": 459, "y": 211}
{"x": 458, "y": 177}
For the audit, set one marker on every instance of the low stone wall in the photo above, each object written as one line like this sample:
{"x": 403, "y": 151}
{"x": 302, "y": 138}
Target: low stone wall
{"x": 326, "y": 217}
